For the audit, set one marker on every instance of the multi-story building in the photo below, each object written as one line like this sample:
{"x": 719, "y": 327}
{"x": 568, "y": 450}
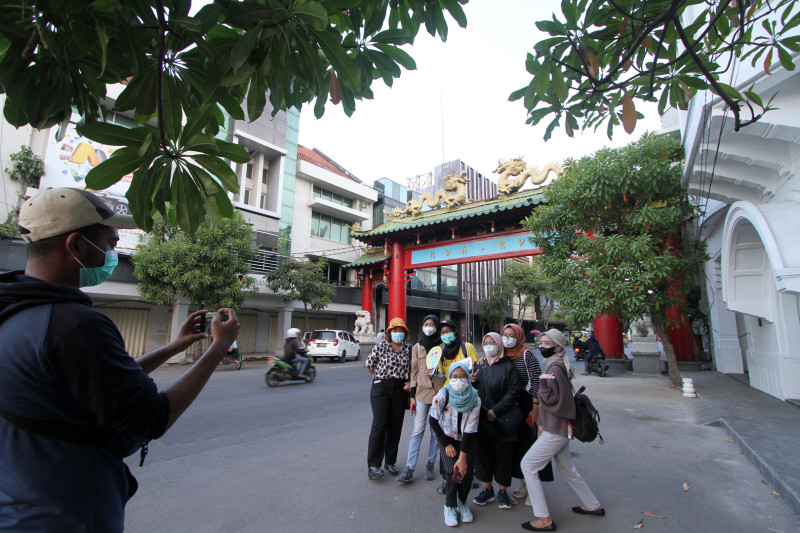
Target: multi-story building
{"x": 328, "y": 201}
{"x": 279, "y": 206}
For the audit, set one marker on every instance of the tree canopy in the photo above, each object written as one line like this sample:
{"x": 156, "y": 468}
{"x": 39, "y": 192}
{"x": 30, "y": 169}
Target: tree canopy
{"x": 611, "y": 236}
{"x": 185, "y": 73}
{"x": 208, "y": 267}
{"x": 302, "y": 281}
{"x": 602, "y": 56}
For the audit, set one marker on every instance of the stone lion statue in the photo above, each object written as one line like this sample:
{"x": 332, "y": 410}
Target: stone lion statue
{"x": 363, "y": 323}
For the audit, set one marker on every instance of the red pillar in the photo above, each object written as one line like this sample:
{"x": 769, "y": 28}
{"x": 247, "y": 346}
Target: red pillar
{"x": 366, "y": 292}
{"x": 680, "y": 335}
{"x": 397, "y": 282}
{"x": 680, "y": 332}
{"x": 608, "y": 331}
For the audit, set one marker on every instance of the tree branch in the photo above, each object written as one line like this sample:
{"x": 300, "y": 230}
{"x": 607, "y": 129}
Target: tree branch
{"x": 708, "y": 75}
{"x": 160, "y": 77}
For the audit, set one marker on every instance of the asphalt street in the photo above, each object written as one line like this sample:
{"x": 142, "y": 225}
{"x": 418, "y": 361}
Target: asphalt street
{"x": 247, "y": 458}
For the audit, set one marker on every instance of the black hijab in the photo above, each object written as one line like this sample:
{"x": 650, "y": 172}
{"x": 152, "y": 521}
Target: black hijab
{"x": 429, "y": 341}
{"x": 450, "y": 350}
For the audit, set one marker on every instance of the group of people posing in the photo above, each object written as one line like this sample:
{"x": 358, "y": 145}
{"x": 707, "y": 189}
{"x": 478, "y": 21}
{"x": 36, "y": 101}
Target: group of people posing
{"x": 494, "y": 418}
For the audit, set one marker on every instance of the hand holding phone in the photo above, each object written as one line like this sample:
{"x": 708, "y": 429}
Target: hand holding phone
{"x": 457, "y": 476}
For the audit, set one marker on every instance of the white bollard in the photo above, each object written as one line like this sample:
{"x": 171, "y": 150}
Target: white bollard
{"x": 688, "y": 388}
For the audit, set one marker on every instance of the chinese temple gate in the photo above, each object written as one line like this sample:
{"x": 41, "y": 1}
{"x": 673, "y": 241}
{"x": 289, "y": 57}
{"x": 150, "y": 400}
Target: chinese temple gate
{"x": 461, "y": 233}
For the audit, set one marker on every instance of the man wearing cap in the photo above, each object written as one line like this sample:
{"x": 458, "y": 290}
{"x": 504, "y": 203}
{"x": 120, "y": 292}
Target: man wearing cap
{"x": 73, "y": 403}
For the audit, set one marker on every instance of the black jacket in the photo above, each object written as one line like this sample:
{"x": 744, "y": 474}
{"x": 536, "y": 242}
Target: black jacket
{"x": 498, "y": 388}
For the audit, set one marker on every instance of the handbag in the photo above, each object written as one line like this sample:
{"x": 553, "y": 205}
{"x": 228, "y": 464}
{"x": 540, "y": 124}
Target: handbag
{"x": 510, "y": 420}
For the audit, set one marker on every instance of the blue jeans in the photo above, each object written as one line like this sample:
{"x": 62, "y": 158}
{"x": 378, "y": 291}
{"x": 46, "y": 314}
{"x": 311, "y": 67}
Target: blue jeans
{"x": 303, "y": 364}
{"x": 420, "y": 422}
{"x": 587, "y": 361}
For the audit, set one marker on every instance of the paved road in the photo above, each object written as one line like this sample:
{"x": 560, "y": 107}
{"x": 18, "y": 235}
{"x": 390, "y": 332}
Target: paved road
{"x": 247, "y": 458}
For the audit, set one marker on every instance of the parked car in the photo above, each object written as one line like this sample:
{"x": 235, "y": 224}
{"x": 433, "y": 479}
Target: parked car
{"x": 333, "y": 343}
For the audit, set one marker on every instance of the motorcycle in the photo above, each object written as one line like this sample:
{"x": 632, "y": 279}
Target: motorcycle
{"x": 282, "y": 371}
{"x": 598, "y": 364}
{"x": 580, "y": 354}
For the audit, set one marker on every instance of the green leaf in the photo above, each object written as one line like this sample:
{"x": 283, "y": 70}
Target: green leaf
{"x": 399, "y": 55}
{"x": 196, "y": 123}
{"x": 541, "y": 80}
{"x": 786, "y": 58}
{"x": 107, "y": 133}
{"x": 173, "y": 116}
{"x": 396, "y": 37}
{"x": 219, "y": 170}
{"x": 754, "y": 97}
{"x": 730, "y": 91}
{"x": 313, "y": 13}
{"x": 516, "y": 95}
{"x": 233, "y": 151}
{"x": 243, "y": 47}
{"x": 348, "y": 74}
{"x": 122, "y": 162}
{"x": 559, "y": 84}
{"x": 455, "y": 10}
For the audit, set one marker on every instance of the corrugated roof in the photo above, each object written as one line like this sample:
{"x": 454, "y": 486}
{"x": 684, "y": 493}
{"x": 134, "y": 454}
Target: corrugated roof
{"x": 453, "y": 214}
{"x": 370, "y": 258}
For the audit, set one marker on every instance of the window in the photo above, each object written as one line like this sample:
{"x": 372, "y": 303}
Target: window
{"x": 332, "y": 197}
{"x": 315, "y": 224}
{"x": 263, "y": 203}
{"x": 328, "y": 227}
{"x": 247, "y": 196}
{"x": 265, "y": 174}
{"x": 325, "y": 226}
{"x": 248, "y": 173}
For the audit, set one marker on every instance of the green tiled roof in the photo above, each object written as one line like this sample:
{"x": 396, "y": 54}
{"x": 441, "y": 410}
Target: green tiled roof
{"x": 453, "y": 214}
{"x": 369, "y": 258}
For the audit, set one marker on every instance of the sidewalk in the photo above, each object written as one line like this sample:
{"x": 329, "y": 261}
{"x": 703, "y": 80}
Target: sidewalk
{"x": 765, "y": 428}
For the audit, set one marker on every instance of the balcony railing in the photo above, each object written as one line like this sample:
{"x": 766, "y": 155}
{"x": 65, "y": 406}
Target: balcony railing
{"x": 266, "y": 261}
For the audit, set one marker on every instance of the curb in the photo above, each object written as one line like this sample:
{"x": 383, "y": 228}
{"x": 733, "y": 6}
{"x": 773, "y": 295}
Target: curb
{"x": 707, "y": 416}
{"x": 775, "y": 479}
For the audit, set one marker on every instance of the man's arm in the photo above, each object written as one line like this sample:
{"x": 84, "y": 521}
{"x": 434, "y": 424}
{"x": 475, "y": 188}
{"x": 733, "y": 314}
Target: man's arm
{"x": 188, "y": 335}
{"x": 183, "y": 392}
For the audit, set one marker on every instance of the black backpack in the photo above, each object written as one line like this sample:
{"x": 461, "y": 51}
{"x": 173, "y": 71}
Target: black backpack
{"x": 585, "y": 426}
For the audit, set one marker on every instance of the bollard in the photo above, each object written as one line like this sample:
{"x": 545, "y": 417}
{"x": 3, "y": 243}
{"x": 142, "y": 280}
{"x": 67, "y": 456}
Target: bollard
{"x": 688, "y": 388}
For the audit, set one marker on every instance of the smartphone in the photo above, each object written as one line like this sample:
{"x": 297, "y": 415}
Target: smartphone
{"x": 457, "y": 476}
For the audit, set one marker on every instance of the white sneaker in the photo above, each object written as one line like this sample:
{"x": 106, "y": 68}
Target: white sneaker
{"x": 450, "y": 516}
{"x": 465, "y": 512}
{"x": 521, "y": 492}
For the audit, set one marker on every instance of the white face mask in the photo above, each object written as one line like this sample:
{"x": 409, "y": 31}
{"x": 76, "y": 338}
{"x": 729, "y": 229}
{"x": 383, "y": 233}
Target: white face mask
{"x": 509, "y": 342}
{"x": 428, "y": 331}
{"x": 459, "y": 384}
{"x": 490, "y": 350}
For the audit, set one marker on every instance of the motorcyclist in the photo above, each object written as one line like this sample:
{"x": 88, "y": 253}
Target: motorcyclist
{"x": 592, "y": 346}
{"x": 294, "y": 353}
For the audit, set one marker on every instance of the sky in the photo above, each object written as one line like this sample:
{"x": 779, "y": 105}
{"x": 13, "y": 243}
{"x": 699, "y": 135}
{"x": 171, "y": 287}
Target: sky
{"x": 455, "y": 104}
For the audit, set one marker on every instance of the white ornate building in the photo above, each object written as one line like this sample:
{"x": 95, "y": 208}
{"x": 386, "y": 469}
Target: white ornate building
{"x": 749, "y": 185}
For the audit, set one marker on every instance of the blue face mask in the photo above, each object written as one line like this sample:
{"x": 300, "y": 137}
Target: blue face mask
{"x": 448, "y": 338}
{"x": 398, "y": 337}
{"x": 89, "y": 277}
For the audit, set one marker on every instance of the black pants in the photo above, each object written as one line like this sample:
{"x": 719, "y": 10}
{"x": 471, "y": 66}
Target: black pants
{"x": 495, "y": 459}
{"x": 453, "y": 489}
{"x": 388, "y": 401}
